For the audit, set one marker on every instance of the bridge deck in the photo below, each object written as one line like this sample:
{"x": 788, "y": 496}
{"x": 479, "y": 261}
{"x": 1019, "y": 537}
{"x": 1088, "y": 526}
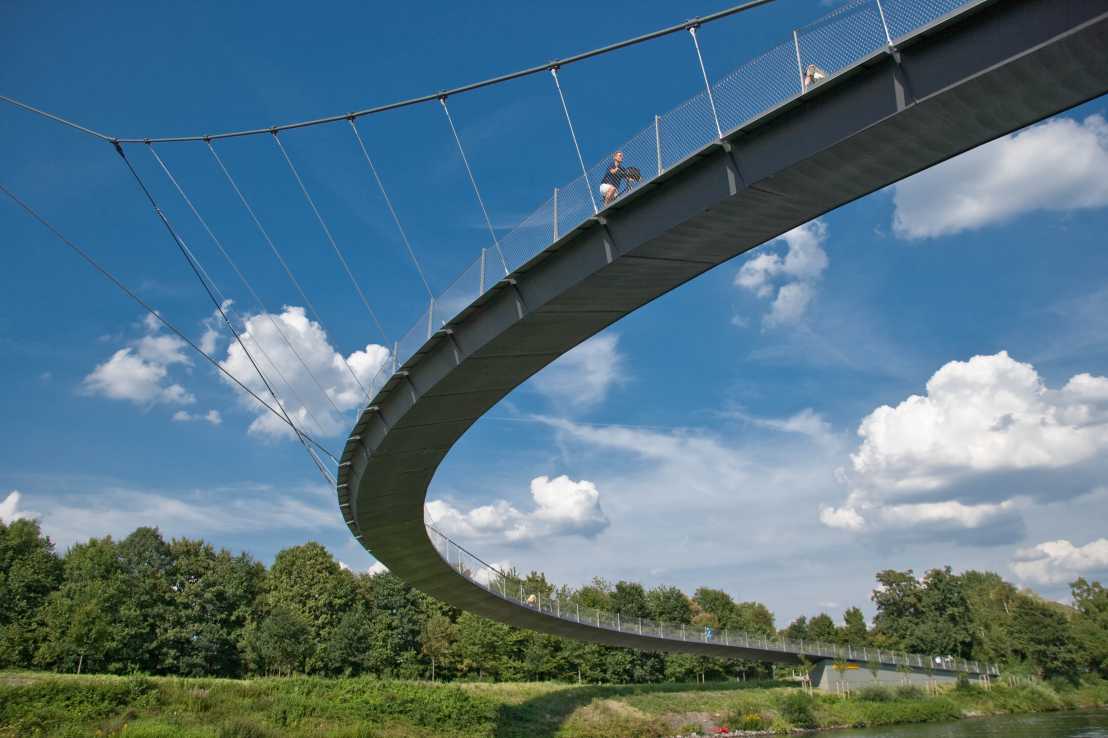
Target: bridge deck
{"x": 978, "y": 75}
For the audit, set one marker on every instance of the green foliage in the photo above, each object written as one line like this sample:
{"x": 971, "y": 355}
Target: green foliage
{"x": 874, "y": 694}
{"x": 798, "y": 709}
{"x": 280, "y": 643}
{"x": 1090, "y": 600}
{"x": 29, "y": 572}
{"x": 669, "y": 605}
{"x": 184, "y": 608}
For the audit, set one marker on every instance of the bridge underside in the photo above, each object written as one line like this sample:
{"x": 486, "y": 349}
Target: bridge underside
{"x": 976, "y": 76}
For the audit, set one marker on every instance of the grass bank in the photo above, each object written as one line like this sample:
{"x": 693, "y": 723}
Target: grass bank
{"x": 36, "y": 705}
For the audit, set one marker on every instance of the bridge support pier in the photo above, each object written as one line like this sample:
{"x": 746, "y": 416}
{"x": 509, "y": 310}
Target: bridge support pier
{"x": 826, "y": 677}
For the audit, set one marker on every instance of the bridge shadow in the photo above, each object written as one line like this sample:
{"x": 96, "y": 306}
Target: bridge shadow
{"x": 544, "y": 715}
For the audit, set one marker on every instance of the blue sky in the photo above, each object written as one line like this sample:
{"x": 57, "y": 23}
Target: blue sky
{"x": 748, "y": 473}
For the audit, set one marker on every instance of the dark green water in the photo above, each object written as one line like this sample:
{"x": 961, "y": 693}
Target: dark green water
{"x": 1053, "y": 725}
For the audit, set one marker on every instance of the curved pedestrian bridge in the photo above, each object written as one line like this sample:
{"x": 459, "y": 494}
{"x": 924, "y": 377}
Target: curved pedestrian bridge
{"x": 898, "y": 87}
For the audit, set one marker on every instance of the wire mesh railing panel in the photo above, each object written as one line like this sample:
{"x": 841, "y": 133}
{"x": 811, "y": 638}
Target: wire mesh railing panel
{"x": 458, "y": 296}
{"x": 378, "y": 380}
{"x": 841, "y": 38}
{"x": 906, "y": 16}
{"x": 506, "y": 585}
{"x": 574, "y": 205}
{"x": 531, "y": 236}
{"x": 686, "y": 129}
{"x": 757, "y": 86}
{"x": 416, "y": 336}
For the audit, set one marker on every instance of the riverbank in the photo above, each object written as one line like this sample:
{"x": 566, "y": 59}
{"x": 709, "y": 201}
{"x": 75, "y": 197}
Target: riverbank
{"x": 66, "y": 706}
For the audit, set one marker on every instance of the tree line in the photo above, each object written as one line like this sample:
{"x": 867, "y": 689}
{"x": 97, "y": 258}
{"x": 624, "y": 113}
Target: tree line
{"x": 183, "y": 607}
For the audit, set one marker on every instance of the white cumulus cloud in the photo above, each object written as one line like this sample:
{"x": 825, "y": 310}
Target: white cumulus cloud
{"x": 789, "y": 279}
{"x": 299, "y": 384}
{"x": 987, "y": 433}
{"x": 139, "y": 372}
{"x": 583, "y": 377}
{"x": 563, "y": 507}
{"x": 211, "y": 417}
{"x": 1058, "y": 165}
{"x": 10, "y": 508}
{"x": 1055, "y": 562}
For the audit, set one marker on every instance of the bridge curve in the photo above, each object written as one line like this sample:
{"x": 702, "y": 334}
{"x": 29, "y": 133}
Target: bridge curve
{"x": 972, "y": 76}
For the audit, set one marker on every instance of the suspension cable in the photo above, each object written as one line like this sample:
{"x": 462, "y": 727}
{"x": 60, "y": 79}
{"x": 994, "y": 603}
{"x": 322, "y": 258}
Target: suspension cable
{"x": 219, "y": 307}
{"x": 223, "y": 301}
{"x": 573, "y": 135}
{"x": 250, "y": 288}
{"x": 330, "y": 238}
{"x": 284, "y": 265}
{"x": 476, "y": 190}
{"x": 392, "y": 210}
{"x": 148, "y": 308}
{"x": 676, "y": 28}
{"x": 707, "y": 85}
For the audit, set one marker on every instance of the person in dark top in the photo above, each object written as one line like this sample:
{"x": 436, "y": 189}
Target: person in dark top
{"x": 609, "y": 184}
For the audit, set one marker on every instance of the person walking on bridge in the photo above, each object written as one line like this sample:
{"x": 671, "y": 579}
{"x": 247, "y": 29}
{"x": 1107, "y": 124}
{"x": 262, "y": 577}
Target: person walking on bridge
{"x": 609, "y": 184}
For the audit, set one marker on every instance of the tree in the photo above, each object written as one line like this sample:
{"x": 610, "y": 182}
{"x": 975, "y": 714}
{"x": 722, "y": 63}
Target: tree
{"x": 281, "y": 643}
{"x": 29, "y": 572}
{"x": 718, "y": 603}
{"x": 822, "y": 628}
{"x": 1041, "y": 634}
{"x": 346, "y": 652}
{"x": 595, "y": 595}
{"x": 307, "y": 580}
{"x": 931, "y": 615}
{"x": 669, "y": 605}
{"x": 854, "y": 630}
{"x": 211, "y": 600}
{"x": 629, "y": 599}
{"x": 84, "y": 621}
{"x": 754, "y": 617}
{"x": 797, "y": 630}
{"x": 483, "y": 646}
{"x": 1090, "y": 626}
{"x": 438, "y": 639}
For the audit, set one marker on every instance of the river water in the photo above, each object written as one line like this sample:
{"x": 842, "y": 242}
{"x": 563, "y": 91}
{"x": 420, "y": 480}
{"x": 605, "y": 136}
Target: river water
{"x": 1052, "y": 725}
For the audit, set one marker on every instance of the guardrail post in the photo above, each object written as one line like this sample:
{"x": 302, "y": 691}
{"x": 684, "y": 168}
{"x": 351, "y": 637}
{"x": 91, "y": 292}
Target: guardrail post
{"x": 799, "y": 64}
{"x": 578, "y": 612}
{"x": 885, "y": 25}
{"x": 619, "y": 626}
{"x": 683, "y": 632}
{"x": 555, "y": 213}
{"x": 658, "y": 140}
{"x": 481, "y": 283}
{"x": 640, "y": 626}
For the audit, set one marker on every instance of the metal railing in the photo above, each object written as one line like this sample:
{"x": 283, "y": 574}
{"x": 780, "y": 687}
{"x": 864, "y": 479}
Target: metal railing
{"x": 564, "y": 606}
{"x": 832, "y": 44}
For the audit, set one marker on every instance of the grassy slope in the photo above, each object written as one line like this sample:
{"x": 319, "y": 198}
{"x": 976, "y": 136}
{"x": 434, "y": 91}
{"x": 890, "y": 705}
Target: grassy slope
{"x": 34, "y": 704}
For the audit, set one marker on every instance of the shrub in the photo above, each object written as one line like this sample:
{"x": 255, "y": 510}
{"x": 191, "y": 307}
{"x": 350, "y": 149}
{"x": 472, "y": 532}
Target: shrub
{"x": 908, "y": 692}
{"x": 874, "y": 694}
{"x": 796, "y": 708}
